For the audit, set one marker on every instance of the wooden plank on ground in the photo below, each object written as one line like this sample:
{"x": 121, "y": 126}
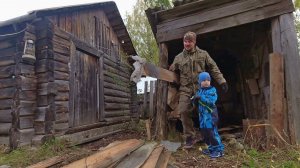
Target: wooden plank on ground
{"x": 277, "y": 92}
{"x": 160, "y": 73}
{"x": 107, "y": 157}
{"x": 163, "y": 159}
{"x": 138, "y": 157}
{"x": 153, "y": 158}
{"x": 48, "y": 163}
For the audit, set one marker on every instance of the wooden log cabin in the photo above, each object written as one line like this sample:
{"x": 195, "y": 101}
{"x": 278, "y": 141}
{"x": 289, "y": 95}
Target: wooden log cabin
{"x": 255, "y": 46}
{"x": 64, "y": 73}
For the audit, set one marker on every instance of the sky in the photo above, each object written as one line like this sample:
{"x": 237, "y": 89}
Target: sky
{"x": 13, "y": 8}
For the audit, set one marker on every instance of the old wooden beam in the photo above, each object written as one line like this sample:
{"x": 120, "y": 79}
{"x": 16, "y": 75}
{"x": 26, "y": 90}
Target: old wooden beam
{"x": 48, "y": 162}
{"x": 292, "y": 77}
{"x": 138, "y": 157}
{"x": 160, "y": 73}
{"x": 153, "y": 158}
{"x": 276, "y": 115}
{"x": 228, "y": 21}
{"x": 162, "y": 94}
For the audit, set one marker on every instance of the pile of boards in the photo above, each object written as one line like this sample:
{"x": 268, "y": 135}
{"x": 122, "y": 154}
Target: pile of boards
{"x": 130, "y": 153}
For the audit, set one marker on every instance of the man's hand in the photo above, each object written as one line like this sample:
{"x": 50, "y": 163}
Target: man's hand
{"x": 172, "y": 67}
{"x": 224, "y": 87}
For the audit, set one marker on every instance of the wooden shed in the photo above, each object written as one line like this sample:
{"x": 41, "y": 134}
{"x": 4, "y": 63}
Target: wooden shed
{"x": 63, "y": 73}
{"x": 255, "y": 46}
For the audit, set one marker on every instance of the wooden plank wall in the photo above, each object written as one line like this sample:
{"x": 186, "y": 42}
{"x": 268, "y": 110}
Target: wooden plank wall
{"x": 53, "y": 57}
{"x": 253, "y": 77}
{"x": 85, "y": 25}
{"x": 285, "y": 42}
{"x": 93, "y": 28}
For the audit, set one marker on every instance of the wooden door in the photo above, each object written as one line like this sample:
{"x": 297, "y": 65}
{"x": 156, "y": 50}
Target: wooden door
{"x": 85, "y": 90}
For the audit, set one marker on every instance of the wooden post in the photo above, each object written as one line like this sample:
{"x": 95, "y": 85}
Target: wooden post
{"x": 151, "y": 99}
{"x": 145, "y": 105}
{"x": 162, "y": 95}
{"x": 285, "y": 42}
{"x": 276, "y": 116}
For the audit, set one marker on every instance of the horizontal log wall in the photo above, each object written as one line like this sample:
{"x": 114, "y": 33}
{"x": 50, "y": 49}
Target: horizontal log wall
{"x": 117, "y": 91}
{"x": 17, "y": 90}
{"x": 53, "y": 57}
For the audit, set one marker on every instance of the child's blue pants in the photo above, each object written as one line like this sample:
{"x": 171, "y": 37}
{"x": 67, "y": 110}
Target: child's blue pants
{"x": 209, "y": 130}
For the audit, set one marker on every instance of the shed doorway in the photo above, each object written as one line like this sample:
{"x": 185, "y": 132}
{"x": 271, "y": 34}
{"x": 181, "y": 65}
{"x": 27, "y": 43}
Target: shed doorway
{"x": 242, "y": 55}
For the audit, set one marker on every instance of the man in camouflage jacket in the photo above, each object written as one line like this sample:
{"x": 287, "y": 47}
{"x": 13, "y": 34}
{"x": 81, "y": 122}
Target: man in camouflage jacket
{"x": 190, "y": 63}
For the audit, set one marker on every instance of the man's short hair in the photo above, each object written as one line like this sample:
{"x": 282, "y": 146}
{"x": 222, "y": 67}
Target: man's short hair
{"x": 190, "y": 36}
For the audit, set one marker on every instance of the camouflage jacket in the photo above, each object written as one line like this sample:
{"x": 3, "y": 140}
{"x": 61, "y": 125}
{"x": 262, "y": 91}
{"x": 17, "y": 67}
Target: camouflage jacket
{"x": 190, "y": 64}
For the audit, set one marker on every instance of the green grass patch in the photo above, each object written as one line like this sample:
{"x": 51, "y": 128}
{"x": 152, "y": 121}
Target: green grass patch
{"x": 26, "y": 155}
{"x": 276, "y": 158}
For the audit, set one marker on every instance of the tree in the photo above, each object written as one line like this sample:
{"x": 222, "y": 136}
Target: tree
{"x": 141, "y": 34}
{"x": 166, "y": 4}
{"x": 140, "y": 31}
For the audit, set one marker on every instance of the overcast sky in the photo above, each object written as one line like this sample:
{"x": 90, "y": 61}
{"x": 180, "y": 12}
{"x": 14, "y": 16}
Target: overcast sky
{"x": 13, "y": 8}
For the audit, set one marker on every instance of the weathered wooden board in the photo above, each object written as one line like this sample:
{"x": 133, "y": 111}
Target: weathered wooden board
{"x": 26, "y": 122}
{"x": 229, "y": 21}
{"x": 153, "y": 158}
{"x": 26, "y": 136}
{"x": 162, "y": 93}
{"x": 6, "y": 61}
{"x": 111, "y": 99}
{"x": 108, "y": 156}
{"x": 7, "y": 93}
{"x": 4, "y": 128}
{"x": 116, "y": 106}
{"x": 160, "y": 73}
{"x": 118, "y": 119}
{"x": 138, "y": 157}
{"x": 86, "y": 109}
{"x": 108, "y": 114}
{"x": 7, "y": 71}
{"x": 116, "y": 93}
{"x": 291, "y": 56}
{"x": 277, "y": 92}
{"x": 8, "y": 82}
{"x": 6, "y": 103}
{"x": 48, "y": 162}
{"x": 5, "y": 116}
{"x": 228, "y": 9}
{"x": 164, "y": 159}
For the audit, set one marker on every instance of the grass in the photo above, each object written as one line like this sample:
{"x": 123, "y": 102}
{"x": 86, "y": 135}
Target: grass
{"x": 27, "y": 155}
{"x": 288, "y": 157}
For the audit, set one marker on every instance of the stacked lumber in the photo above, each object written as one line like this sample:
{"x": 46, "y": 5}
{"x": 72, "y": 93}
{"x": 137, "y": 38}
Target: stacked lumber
{"x": 130, "y": 153}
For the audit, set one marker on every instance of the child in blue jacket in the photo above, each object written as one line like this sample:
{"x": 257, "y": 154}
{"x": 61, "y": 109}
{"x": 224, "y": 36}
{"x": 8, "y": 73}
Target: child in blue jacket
{"x": 205, "y": 99}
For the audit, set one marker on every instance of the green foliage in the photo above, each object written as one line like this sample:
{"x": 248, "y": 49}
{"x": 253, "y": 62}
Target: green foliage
{"x": 166, "y": 4}
{"x": 283, "y": 158}
{"x": 141, "y": 34}
{"x": 25, "y": 156}
{"x": 297, "y": 4}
